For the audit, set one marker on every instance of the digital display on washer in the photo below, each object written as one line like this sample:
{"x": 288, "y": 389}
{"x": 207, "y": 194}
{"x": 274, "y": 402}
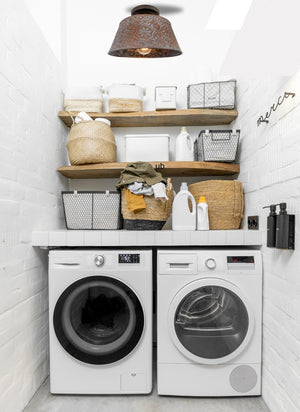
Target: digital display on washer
{"x": 129, "y": 258}
{"x": 240, "y": 259}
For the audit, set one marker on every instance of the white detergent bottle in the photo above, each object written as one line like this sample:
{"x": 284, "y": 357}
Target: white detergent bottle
{"x": 184, "y": 150}
{"x": 202, "y": 214}
{"x": 182, "y": 217}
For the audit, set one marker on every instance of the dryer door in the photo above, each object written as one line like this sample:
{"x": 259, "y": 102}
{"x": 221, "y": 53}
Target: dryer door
{"x": 210, "y": 321}
{"x": 98, "y": 320}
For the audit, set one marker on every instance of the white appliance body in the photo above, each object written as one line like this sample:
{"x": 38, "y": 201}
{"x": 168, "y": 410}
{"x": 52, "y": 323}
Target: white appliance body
{"x": 100, "y": 320}
{"x": 209, "y": 322}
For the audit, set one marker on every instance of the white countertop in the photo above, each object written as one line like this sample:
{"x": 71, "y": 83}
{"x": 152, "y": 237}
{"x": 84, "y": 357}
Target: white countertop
{"x": 93, "y": 238}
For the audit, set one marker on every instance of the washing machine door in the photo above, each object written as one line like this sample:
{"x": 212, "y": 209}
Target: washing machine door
{"x": 210, "y": 321}
{"x": 98, "y": 320}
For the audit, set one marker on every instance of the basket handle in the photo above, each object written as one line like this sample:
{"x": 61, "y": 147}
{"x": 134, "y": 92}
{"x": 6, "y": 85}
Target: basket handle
{"x": 236, "y": 198}
{"x": 214, "y": 138}
{"x": 169, "y": 184}
{"x": 168, "y": 204}
{"x": 72, "y": 117}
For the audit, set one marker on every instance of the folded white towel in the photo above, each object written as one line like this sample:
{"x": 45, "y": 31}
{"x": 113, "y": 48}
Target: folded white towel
{"x": 160, "y": 191}
{"x": 82, "y": 116}
{"x": 101, "y": 119}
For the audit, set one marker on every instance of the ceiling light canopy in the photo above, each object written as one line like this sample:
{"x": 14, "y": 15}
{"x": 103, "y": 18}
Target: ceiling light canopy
{"x": 145, "y": 34}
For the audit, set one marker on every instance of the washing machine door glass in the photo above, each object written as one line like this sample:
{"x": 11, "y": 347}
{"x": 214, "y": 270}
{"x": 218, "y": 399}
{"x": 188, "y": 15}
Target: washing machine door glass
{"x": 98, "y": 320}
{"x": 211, "y": 322}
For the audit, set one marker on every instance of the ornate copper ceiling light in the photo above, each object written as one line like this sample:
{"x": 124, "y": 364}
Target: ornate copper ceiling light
{"x": 145, "y": 34}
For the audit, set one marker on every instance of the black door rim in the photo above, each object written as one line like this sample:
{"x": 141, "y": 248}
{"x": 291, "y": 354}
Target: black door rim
{"x": 106, "y": 358}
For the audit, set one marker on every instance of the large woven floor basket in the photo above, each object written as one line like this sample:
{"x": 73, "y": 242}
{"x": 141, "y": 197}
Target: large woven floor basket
{"x": 153, "y": 217}
{"x": 225, "y": 202}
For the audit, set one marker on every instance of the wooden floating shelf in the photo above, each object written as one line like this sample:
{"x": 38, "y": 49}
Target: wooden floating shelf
{"x": 187, "y": 117}
{"x": 172, "y": 169}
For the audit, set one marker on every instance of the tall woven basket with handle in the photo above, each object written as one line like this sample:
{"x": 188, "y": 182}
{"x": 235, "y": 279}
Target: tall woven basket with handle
{"x": 225, "y": 202}
{"x": 153, "y": 217}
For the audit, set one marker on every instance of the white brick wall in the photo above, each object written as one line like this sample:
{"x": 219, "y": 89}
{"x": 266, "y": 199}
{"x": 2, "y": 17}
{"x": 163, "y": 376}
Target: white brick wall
{"x": 270, "y": 171}
{"x": 31, "y": 148}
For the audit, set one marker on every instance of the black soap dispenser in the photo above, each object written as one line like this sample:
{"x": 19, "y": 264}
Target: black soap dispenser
{"x": 285, "y": 229}
{"x": 271, "y": 226}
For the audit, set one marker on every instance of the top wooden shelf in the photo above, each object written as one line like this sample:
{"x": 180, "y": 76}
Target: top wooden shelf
{"x": 172, "y": 169}
{"x": 187, "y": 117}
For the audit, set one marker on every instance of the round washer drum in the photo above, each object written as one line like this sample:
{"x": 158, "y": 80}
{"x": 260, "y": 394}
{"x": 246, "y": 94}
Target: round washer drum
{"x": 98, "y": 320}
{"x": 210, "y": 321}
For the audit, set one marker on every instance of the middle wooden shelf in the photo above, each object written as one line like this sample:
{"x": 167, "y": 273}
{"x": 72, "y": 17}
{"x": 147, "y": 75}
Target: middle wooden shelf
{"x": 172, "y": 169}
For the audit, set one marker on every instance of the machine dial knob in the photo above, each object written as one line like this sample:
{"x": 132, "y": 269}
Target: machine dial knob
{"x": 210, "y": 263}
{"x": 99, "y": 260}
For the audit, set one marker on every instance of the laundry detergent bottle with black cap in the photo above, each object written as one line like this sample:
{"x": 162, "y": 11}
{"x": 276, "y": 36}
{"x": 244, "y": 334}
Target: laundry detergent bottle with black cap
{"x": 182, "y": 217}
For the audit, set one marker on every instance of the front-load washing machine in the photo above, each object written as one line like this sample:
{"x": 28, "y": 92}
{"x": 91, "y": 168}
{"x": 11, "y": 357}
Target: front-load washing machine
{"x": 100, "y": 320}
{"x": 209, "y": 322}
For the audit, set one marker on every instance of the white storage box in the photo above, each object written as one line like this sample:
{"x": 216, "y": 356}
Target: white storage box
{"x": 165, "y": 97}
{"x": 147, "y": 147}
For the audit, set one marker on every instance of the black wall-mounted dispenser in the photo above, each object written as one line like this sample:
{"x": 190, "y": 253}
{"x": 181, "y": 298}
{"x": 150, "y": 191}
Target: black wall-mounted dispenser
{"x": 280, "y": 228}
{"x": 271, "y": 226}
{"x": 285, "y": 229}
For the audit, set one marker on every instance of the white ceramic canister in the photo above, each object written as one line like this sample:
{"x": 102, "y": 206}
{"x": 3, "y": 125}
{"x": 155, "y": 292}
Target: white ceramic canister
{"x": 125, "y": 98}
{"x": 165, "y": 97}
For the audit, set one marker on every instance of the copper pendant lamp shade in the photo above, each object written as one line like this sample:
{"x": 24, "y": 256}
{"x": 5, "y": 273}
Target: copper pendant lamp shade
{"x": 145, "y": 34}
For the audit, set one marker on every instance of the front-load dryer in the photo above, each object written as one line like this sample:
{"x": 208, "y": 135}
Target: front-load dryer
{"x": 100, "y": 320}
{"x": 209, "y": 322}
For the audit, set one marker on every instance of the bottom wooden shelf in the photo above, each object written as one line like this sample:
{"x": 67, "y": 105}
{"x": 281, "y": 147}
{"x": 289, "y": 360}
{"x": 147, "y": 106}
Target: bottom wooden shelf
{"x": 171, "y": 169}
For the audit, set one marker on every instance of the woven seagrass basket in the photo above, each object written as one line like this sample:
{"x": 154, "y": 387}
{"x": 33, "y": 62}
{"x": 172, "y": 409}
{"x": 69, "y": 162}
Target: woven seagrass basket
{"x": 121, "y": 105}
{"x": 83, "y": 105}
{"x": 225, "y": 202}
{"x": 91, "y": 142}
{"x": 153, "y": 217}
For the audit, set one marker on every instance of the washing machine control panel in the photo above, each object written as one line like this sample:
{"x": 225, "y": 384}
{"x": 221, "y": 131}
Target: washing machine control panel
{"x": 240, "y": 262}
{"x": 129, "y": 258}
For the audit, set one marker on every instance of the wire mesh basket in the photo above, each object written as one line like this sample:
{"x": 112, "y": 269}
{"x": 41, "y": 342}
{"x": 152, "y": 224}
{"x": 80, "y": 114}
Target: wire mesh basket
{"x": 216, "y": 145}
{"x": 98, "y": 210}
{"x": 211, "y": 95}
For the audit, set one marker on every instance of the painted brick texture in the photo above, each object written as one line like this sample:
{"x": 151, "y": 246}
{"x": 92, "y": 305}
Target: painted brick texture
{"x": 31, "y": 148}
{"x": 270, "y": 171}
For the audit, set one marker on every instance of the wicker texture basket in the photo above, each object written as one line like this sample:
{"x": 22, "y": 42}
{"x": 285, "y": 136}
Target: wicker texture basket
{"x": 153, "y": 217}
{"x": 83, "y": 105}
{"x": 225, "y": 202}
{"x": 121, "y": 105}
{"x": 91, "y": 142}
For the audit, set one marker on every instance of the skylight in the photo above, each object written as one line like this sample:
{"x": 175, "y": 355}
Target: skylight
{"x": 228, "y": 15}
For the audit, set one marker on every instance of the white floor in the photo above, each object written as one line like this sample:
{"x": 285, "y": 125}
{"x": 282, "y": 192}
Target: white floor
{"x": 43, "y": 401}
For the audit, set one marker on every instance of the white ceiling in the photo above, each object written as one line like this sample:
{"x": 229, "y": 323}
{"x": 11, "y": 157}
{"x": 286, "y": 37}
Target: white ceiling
{"x": 267, "y": 42}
